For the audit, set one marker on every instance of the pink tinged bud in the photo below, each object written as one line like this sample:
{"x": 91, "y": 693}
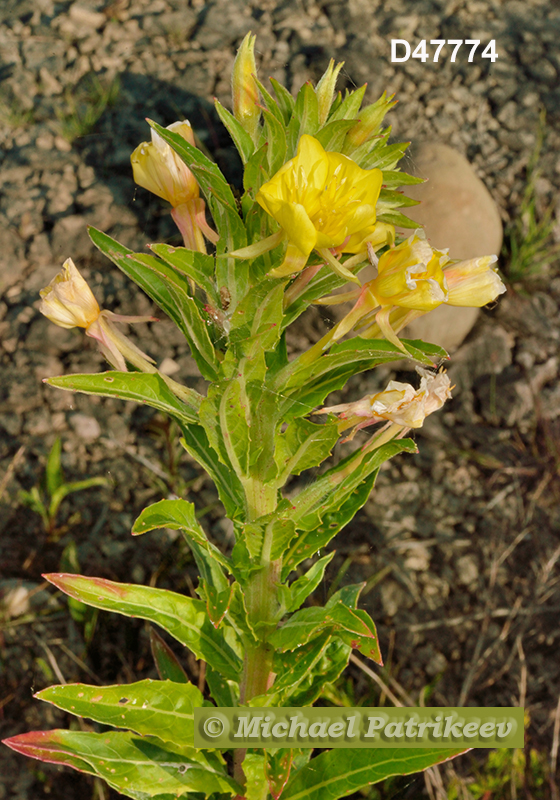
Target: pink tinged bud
{"x": 244, "y": 87}
{"x": 67, "y": 300}
{"x": 325, "y": 90}
{"x": 190, "y": 218}
{"x": 116, "y": 347}
{"x": 157, "y": 167}
{"x": 474, "y": 282}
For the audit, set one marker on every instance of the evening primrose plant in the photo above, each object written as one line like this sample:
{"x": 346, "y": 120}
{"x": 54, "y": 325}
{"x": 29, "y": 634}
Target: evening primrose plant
{"x": 319, "y": 204}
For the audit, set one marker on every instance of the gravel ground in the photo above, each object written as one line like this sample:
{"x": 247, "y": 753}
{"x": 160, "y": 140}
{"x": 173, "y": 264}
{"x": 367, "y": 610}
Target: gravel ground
{"x": 459, "y": 544}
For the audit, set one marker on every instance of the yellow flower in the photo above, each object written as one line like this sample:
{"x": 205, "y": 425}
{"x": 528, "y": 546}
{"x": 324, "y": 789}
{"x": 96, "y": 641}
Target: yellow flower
{"x": 399, "y": 404}
{"x": 244, "y": 88}
{"x": 322, "y": 201}
{"x": 68, "y": 301}
{"x": 158, "y": 168}
{"x": 414, "y": 278}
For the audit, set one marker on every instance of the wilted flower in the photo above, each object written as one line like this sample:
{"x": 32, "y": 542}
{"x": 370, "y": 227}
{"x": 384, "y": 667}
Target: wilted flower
{"x": 158, "y": 168}
{"x": 244, "y": 88}
{"x": 322, "y": 201}
{"x": 414, "y": 278}
{"x": 69, "y": 302}
{"x": 399, "y": 404}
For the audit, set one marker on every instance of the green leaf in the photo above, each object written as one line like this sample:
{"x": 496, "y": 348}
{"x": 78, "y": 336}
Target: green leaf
{"x": 159, "y": 708}
{"x": 302, "y": 587}
{"x": 234, "y": 426}
{"x": 256, "y": 323}
{"x": 341, "y": 772}
{"x": 322, "y": 531}
{"x": 185, "y": 312}
{"x": 304, "y": 444}
{"x": 198, "y": 266}
{"x": 392, "y": 179}
{"x": 276, "y": 139}
{"x": 139, "y": 768}
{"x": 333, "y": 488}
{"x": 253, "y": 767}
{"x": 277, "y": 768}
{"x": 256, "y": 171}
{"x": 224, "y": 693}
{"x": 390, "y": 199}
{"x": 182, "y": 617}
{"x": 286, "y": 102}
{"x": 215, "y": 188}
{"x": 332, "y": 135}
{"x": 178, "y": 515}
{"x": 241, "y": 138}
{"x": 196, "y": 443}
{"x": 305, "y": 117}
{"x": 68, "y": 488}
{"x": 149, "y": 389}
{"x": 269, "y": 100}
{"x": 350, "y": 106}
{"x": 398, "y": 219}
{"x": 327, "y": 669}
{"x": 167, "y": 663}
{"x": 54, "y": 477}
{"x": 385, "y": 157}
{"x": 353, "y": 626}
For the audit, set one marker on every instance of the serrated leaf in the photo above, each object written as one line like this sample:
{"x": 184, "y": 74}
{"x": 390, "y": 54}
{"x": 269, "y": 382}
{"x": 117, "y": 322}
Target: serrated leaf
{"x": 196, "y": 443}
{"x": 139, "y": 768}
{"x": 159, "y": 708}
{"x": 339, "y": 772}
{"x": 302, "y": 587}
{"x": 198, "y": 266}
{"x": 178, "y": 515}
{"x": 328, "y": 668}
{"x": 353, "y": 626}
{"x": 277, "y": 768}
{"x": 241, "y": 138}
{"x": 167, "y": 663}
{"x": 148, "y": 389}
{"x": 323, "y": 527}
{"x": 253, "y": 767}
{"x": 304, "y": 444}
{"x": 182, "y": 617}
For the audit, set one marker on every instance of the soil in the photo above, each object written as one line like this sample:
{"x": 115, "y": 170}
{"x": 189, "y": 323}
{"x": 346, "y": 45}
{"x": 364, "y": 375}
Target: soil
{"x": 459, "y": 545}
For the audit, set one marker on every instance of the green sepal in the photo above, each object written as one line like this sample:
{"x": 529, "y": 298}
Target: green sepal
{"x": 149, "y": 389}
{"x": 156, "y": 708}
{"x": 138, "y": 767}
{"x": 182, "y": 617}
{"x": 340, "y": 772}
{"x": 242, "y": 140}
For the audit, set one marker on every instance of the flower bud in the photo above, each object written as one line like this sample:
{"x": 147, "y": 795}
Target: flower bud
{"x": 474, "y": 282}
{"x": 325, "y": 90}
{"x": 68, "y": 301}
{"x": 244, "y": 87}
{"x": 157, "y": 167}
{"x": 369, "y": 123}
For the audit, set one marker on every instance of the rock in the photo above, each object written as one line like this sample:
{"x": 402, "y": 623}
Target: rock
{"x": 457, "y": 212}
{"x": 467, "y": 570}
{"x": 87, "y": 428}
{"x": 488, "y": 354}
{"x": 13, "y": 262}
